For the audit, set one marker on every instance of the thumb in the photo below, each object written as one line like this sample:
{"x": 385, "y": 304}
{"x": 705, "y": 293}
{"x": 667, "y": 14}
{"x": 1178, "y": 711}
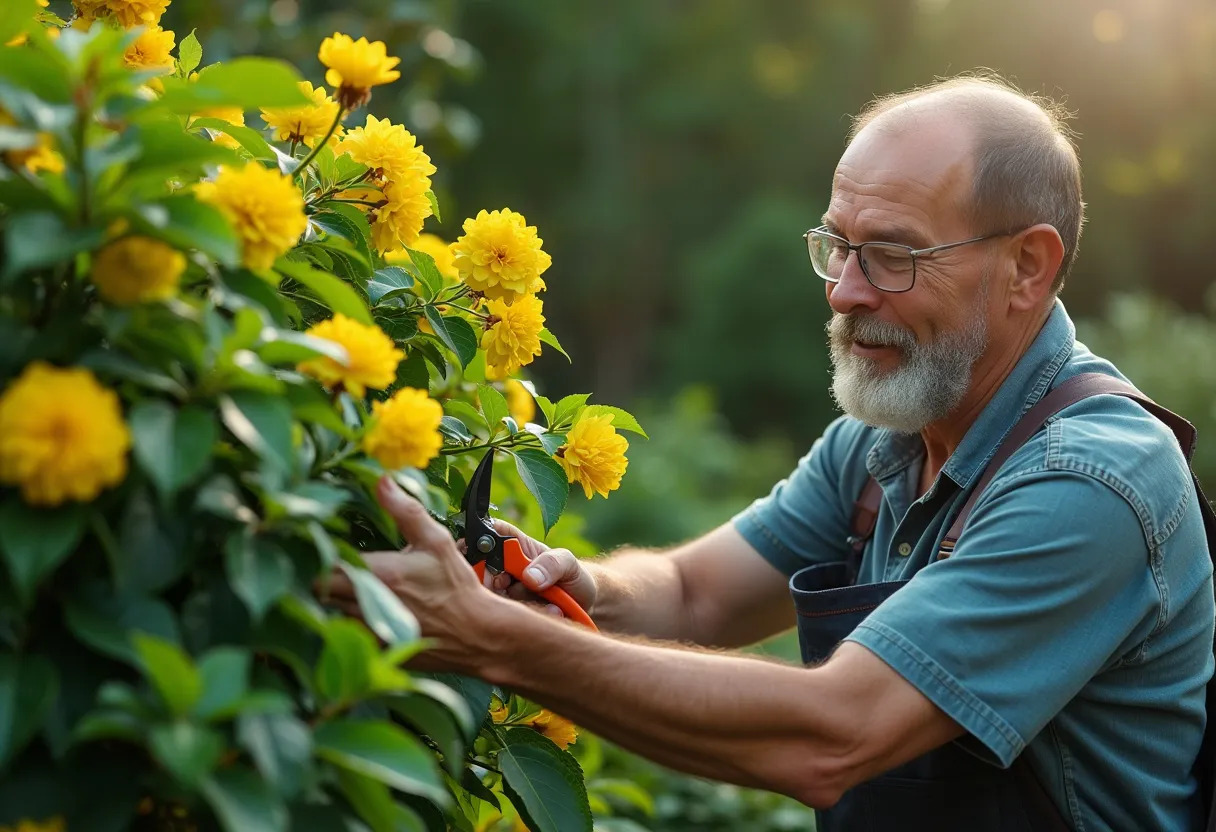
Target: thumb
{"x": 417, "y": 526}
{"x": 560, "y": 567}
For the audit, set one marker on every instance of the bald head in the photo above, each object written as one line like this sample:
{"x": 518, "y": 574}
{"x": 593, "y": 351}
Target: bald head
{"x": 1016, "y": 149}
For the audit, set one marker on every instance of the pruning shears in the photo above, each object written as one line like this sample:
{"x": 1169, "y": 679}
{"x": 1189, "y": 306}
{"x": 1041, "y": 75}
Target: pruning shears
{"x": 486, "y": 549}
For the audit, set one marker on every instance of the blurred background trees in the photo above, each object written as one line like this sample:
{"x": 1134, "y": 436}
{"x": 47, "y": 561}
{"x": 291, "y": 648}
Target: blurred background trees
{"x": 672, "y": 153}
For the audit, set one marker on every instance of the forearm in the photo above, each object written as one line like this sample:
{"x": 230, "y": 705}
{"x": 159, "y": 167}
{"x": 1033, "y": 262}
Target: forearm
{"x": 719, "y": 715}
{"x": 640, "y": 592}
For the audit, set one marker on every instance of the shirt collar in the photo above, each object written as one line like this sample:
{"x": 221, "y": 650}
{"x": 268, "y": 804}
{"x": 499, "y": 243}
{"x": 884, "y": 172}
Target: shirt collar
{"x": 1029, "y": 380}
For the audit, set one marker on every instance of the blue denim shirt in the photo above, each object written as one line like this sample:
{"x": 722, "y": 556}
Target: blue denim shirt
{"x": 1074, "y": 619}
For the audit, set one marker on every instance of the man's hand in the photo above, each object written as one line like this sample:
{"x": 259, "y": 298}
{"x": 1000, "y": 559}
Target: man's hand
{"x": 433, "y": 580}
{"x": 549, "y": 567}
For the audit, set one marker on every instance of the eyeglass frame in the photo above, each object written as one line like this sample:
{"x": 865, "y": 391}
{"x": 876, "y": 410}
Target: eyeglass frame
{"x": 912, "y": 252}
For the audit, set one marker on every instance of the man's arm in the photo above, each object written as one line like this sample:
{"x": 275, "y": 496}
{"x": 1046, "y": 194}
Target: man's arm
{"x": 714, "y": 591}
{"x": 808, "y": 733}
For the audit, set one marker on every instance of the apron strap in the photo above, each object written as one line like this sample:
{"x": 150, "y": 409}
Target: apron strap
{"x": 865, "y": 515}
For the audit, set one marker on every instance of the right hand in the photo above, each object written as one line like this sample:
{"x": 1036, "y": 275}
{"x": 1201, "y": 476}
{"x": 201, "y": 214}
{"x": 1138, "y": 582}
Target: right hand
{"x": 549, "y": 567}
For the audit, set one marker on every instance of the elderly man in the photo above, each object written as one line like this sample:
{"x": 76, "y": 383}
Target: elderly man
{"x": 1045, "y": 671}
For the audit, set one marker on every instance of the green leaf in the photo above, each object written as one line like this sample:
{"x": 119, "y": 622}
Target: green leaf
{"x": 428, "y": 273}
{"x": 309, "y": 404}
{"x": 285, "y": 346}
{"x": 190, "y": 752}
{"x": 568, "y": 408}
{"x": 377, "y": 805}
{"x": 344, "y": 669}
{"x": 435, "y": 721}
{"x": 549, "y": 338}
{"x": 41, "y": 239}
{"x": 453, "y": 428}
{"x": 384, "y": 752}
{"x": 45, "y": 74}
{"x": 331, "y": 291}
{"x": 173, "y": 446}
{"x": 170, "y": 671}
{"x": 544, "y": 783}
{"x": 551, "y": 441}
{"x": 627, "y": 792}
{"x": 546, "y": 407}
{"x": 28, "y": 686}
{"x": 431, "y": 198}
{"x": 349, "y": 223}
{"x": 225, "y": 675}
{"x": 259, "y": 570}
{"x": 621, "y": 419}
{"x": 456, "y": 699}
{"x": 248, "y": 83}
{"x": 388, "y": 283}
{"x": 36, "y": 540}
{"x": 261, "y": 421}
{"x": 493, "y": 405}
{"x": 189, "y": 54}
{"x": 151, "y": 552}
{"x": 165, "y": 151}
{"x": 185, "y": 222}
{"x": 246, "y": 137}
{"x": 106, "y": 622}
{"x": 382, "y": 610}
{"x": 456, "y": 333}
{"x": 413, "y": 372}
{"x": 466, "y": 413}
{"x": 244, "y": 802}
{"x": 281, "y": 748}
{"x": 545, "y": 480}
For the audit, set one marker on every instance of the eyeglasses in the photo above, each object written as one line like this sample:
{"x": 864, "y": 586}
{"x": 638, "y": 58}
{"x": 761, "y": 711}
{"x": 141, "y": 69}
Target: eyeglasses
{"x": 890, "y": 267}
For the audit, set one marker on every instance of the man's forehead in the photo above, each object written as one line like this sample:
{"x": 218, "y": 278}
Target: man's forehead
{"x": 910, "y": 171}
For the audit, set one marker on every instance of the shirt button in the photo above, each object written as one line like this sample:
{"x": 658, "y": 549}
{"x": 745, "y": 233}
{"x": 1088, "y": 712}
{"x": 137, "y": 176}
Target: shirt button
{"x": 905, "y": 549}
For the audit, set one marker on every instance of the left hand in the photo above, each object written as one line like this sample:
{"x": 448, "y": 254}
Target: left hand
{"x": 432, "y": 579}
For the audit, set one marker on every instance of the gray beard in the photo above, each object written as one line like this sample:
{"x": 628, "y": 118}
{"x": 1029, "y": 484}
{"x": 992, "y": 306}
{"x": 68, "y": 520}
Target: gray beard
{"x": 928, "y": 384}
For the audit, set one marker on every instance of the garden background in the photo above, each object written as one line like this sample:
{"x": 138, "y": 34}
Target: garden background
{"x": 672, "y": 153}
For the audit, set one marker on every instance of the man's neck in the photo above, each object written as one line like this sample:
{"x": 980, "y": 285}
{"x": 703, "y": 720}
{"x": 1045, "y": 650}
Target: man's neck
{"x": 943, "y": 437}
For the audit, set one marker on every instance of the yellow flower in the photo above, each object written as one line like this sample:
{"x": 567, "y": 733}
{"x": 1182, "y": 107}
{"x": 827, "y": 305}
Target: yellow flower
{"x": 137, "y": 269}
{"x": 41, "y": 156}
{"x": 500, "y": 714}
{"x": 265, "y": 208}
{"x": 354, "y": 67}
{"x": 557, "y": 728}
{"x": 127, "y": 12}
{"x": 399, "y": 220}
{"x": 305, "y": 124}
{"x": 55, "y": 824}
{"x": 512, "y": 338}
{"x": 388, "y": 149}
{"x": 594, "y": 455}
{"x": 500, "y": 255}
{"x": 372, "y": 358}
{"x": 152, "y": 51}
{"x": 405, "y": 430}
{"x": 520, "y": 402}
{"x": 62, "y": 436}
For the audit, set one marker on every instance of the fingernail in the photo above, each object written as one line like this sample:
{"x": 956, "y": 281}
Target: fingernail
{"x": 554, "y": 611}
{"x": 536, "y": 575}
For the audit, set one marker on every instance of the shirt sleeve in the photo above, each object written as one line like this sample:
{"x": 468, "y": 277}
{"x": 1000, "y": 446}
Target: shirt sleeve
{"x": 804, "y": 519}
{"x": 1048, "y": 582}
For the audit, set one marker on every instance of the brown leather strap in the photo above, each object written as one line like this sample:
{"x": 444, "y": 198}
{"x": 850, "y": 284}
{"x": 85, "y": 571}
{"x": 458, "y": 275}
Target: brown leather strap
{"x": 865, "y": 514}
{"x": 1067, "y": 394}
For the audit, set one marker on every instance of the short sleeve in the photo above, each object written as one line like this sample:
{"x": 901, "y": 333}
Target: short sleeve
{"x": 804, "y": 520}
{"x": 1049, "y": 579}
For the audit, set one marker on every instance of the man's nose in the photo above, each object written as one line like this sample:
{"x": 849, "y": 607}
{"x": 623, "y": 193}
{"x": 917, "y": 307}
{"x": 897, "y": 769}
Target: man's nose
{"x": 853, "y": 292}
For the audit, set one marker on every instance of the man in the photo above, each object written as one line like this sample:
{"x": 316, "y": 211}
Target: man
{"x": 1070, "y": 629}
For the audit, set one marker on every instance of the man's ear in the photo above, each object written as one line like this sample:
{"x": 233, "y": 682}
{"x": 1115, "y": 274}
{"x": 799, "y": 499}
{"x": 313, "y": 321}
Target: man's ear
{"x": 1038, "y": 252}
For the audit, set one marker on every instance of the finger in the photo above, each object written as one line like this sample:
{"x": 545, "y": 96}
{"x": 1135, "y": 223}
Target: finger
{"x": 519, "y": 592}
{"x": 551, "y": 609}
{"x": 556, "y": 566}
{"x": 418, "y": 527}
{"x": 502, "y": 582}
{"x": 334, "y": 584}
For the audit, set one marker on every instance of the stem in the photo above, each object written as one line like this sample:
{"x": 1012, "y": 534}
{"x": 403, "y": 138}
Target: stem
{"x": 369, "y": 203}
{"x": 515, "y": 441}
{"x": 292, "y": 152}
{"x": 312, "y": 154}
{"x": 472, "y": 312}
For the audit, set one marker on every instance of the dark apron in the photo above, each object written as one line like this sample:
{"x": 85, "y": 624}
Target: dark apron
{"x": 945, "y": 790}
{"x": 949, "y": 788}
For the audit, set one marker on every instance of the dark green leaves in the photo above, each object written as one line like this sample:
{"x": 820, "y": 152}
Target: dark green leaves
{"x": 36, "y": 540}
{"x": 281, "y": 747}
{"x": 41, "y": 239}
{"x": 621, "y": 419}
{"x": 427, "y": 272}
{"x": 27, "y": 690}
{"x": 171, "y": 673}
{"x": 383, "y": 611}
{"x": 384, "y": 752}
{"x": 544, "y": 783}
{"x": 262, "y": 422}
{"x": 244, "y": 802}
{"x": 187, "y": 750}
{"x": 545, "y": 480}
{"x": 173, "y": 446}
{"x": 456, "y": 333}
{"x": 259, "y": 570}
{"x": 388, "y": 283}
{"x": 331, "y": 291}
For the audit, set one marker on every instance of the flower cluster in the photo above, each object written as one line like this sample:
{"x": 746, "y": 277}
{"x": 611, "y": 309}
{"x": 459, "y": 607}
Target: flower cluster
{"x": 405, "y": 430}
{"x": 152, "y": 49}
{"x": 371, "y": 357}
{"x": 594, "y": 455}
{"x": 308, "y": 123}
{"x": 264, "y": 206}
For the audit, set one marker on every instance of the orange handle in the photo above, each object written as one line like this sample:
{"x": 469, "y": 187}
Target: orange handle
{"x": 514, "y": 563}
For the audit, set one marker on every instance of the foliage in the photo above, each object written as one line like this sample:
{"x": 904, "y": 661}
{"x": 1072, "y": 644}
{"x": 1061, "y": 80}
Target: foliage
{"x": 175, "y": 281}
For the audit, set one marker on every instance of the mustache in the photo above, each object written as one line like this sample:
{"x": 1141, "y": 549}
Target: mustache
{"x": 844, "y": 330}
